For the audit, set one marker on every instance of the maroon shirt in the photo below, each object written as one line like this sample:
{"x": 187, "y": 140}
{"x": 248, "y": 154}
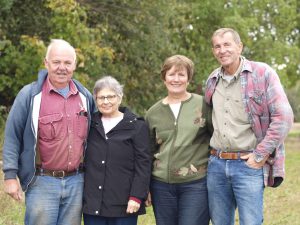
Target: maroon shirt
{"x": 62, "y": 128}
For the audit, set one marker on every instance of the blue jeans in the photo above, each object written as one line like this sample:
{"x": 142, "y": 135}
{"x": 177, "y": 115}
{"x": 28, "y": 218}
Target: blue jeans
{"x": 180, "y": 204}
{"x": 233, "y": 184}
{"x": 54, "y": 201}
{"x": 100, "y": 220}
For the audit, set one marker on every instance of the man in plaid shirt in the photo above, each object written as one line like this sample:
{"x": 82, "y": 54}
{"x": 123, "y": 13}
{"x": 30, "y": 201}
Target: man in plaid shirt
{"x": 251, "y": 118}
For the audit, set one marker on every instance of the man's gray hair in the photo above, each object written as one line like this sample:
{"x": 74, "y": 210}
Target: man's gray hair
{"x": 222, "y": 31}
{"x": 60, "y": 42}
{"x": 110, "y": 83}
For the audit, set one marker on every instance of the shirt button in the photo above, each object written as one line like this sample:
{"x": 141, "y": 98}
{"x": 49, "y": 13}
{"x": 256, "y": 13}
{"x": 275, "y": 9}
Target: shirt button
{"x": 100, "y": 187}
{"x": 97, "y": 212}
{"x": 103, "y": 162}
{"x": 70, "y": 163}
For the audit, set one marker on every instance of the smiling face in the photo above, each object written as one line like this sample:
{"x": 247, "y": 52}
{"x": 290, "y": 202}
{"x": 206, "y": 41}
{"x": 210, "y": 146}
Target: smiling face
{"x": 176, "y": 80}
{"x": 60, "y": 64}
{"x": 227, "y": 51}
{"x": 108, "y": 102}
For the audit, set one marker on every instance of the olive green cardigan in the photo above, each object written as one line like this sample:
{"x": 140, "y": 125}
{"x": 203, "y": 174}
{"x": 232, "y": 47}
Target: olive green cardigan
{"x": 180, "y": 146}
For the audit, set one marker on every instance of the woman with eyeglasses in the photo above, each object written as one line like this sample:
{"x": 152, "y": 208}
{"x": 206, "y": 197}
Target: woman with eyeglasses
{"x": 117, "y": 160}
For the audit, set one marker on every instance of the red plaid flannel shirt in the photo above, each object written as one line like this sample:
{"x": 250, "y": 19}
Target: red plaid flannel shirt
{"x": 269, "y": 113}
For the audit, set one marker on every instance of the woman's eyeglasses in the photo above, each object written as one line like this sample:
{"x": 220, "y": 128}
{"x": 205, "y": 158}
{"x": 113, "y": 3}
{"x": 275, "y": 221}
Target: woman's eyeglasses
{"x": 109, "y": 98}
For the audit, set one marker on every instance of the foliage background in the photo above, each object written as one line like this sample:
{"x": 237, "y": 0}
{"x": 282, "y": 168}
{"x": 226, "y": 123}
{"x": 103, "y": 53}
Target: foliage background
{"x": 129, "y": 39}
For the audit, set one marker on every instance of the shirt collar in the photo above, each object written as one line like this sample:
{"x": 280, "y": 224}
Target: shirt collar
{"x": 49, "y": 87}
{"x": 236, "y": 75}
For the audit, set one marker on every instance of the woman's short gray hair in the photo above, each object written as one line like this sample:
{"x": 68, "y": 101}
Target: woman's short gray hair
{"x": 110, "y": 83}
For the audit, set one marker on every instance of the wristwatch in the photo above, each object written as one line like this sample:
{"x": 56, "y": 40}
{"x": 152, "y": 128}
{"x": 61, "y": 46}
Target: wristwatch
{"x": 258, "y": 158}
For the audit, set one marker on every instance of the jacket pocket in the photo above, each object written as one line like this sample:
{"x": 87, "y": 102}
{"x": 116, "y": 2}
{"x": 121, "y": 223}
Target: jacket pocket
{"x": 51, "y": 127}
{"x": 120, "y": 193}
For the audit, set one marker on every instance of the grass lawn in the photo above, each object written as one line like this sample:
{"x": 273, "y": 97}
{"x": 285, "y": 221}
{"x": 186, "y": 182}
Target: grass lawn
{"x": 282, "y": 204}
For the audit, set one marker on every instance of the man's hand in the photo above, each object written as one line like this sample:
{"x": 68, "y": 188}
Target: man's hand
{"x": 132, "y": 206}
{"x": 251, "y": 161}
{"x": 148, "y": 201}
{"x": 12, "y": 187}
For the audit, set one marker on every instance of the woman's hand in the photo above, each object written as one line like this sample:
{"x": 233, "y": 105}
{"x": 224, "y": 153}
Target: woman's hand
{"x": 148, "y": 201}
{"x": 132, "y": 206}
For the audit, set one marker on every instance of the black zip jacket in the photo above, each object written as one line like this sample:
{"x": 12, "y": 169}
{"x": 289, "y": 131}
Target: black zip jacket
{"x": 117, "y": 166}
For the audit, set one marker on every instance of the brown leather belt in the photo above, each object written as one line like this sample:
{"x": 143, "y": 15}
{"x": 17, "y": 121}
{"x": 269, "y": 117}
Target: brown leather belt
{"x": 228, "y": 155}
{"x": 57, "y": 173}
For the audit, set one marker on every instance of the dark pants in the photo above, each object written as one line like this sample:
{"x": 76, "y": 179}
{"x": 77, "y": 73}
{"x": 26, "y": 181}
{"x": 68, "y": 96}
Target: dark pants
{"x": 100, "y": 220}
{"x": 180, "y": 204}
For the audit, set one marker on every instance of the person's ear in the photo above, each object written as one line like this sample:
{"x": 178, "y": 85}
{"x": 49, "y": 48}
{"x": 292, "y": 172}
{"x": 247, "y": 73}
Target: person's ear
{"x": 241, "y": 46}
{"x": 46, "y": 63}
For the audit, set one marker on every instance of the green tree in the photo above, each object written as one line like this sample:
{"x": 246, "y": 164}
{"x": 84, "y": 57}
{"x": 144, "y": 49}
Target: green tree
{"x": 138, "y": 33}
{"x": 23, "y": 38}
{"x": 268, "y": 29}
{"x": 129, "y": 39}
{"x": 272, "y": 35}
{"x": 18, "y": 65}
{"x": 293, "y": 96}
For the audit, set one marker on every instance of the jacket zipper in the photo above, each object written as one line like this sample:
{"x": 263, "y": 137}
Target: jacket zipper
{"x": 173, "y": 142}
{"x": 34, "y": 147}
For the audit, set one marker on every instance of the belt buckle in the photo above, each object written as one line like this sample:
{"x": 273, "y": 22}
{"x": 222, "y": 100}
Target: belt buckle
{"x": 57, "y": 174}
{"x": 219, "y": 155}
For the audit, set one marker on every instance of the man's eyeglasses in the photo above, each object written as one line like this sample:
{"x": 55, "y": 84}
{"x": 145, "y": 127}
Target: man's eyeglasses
{"x": 109, "y": 98}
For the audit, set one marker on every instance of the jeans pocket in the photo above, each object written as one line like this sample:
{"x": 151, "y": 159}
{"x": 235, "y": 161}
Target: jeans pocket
{"x": 250, "y": 171}
{"x": 34, "y": 182}
{"x": 211, "y": 158}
